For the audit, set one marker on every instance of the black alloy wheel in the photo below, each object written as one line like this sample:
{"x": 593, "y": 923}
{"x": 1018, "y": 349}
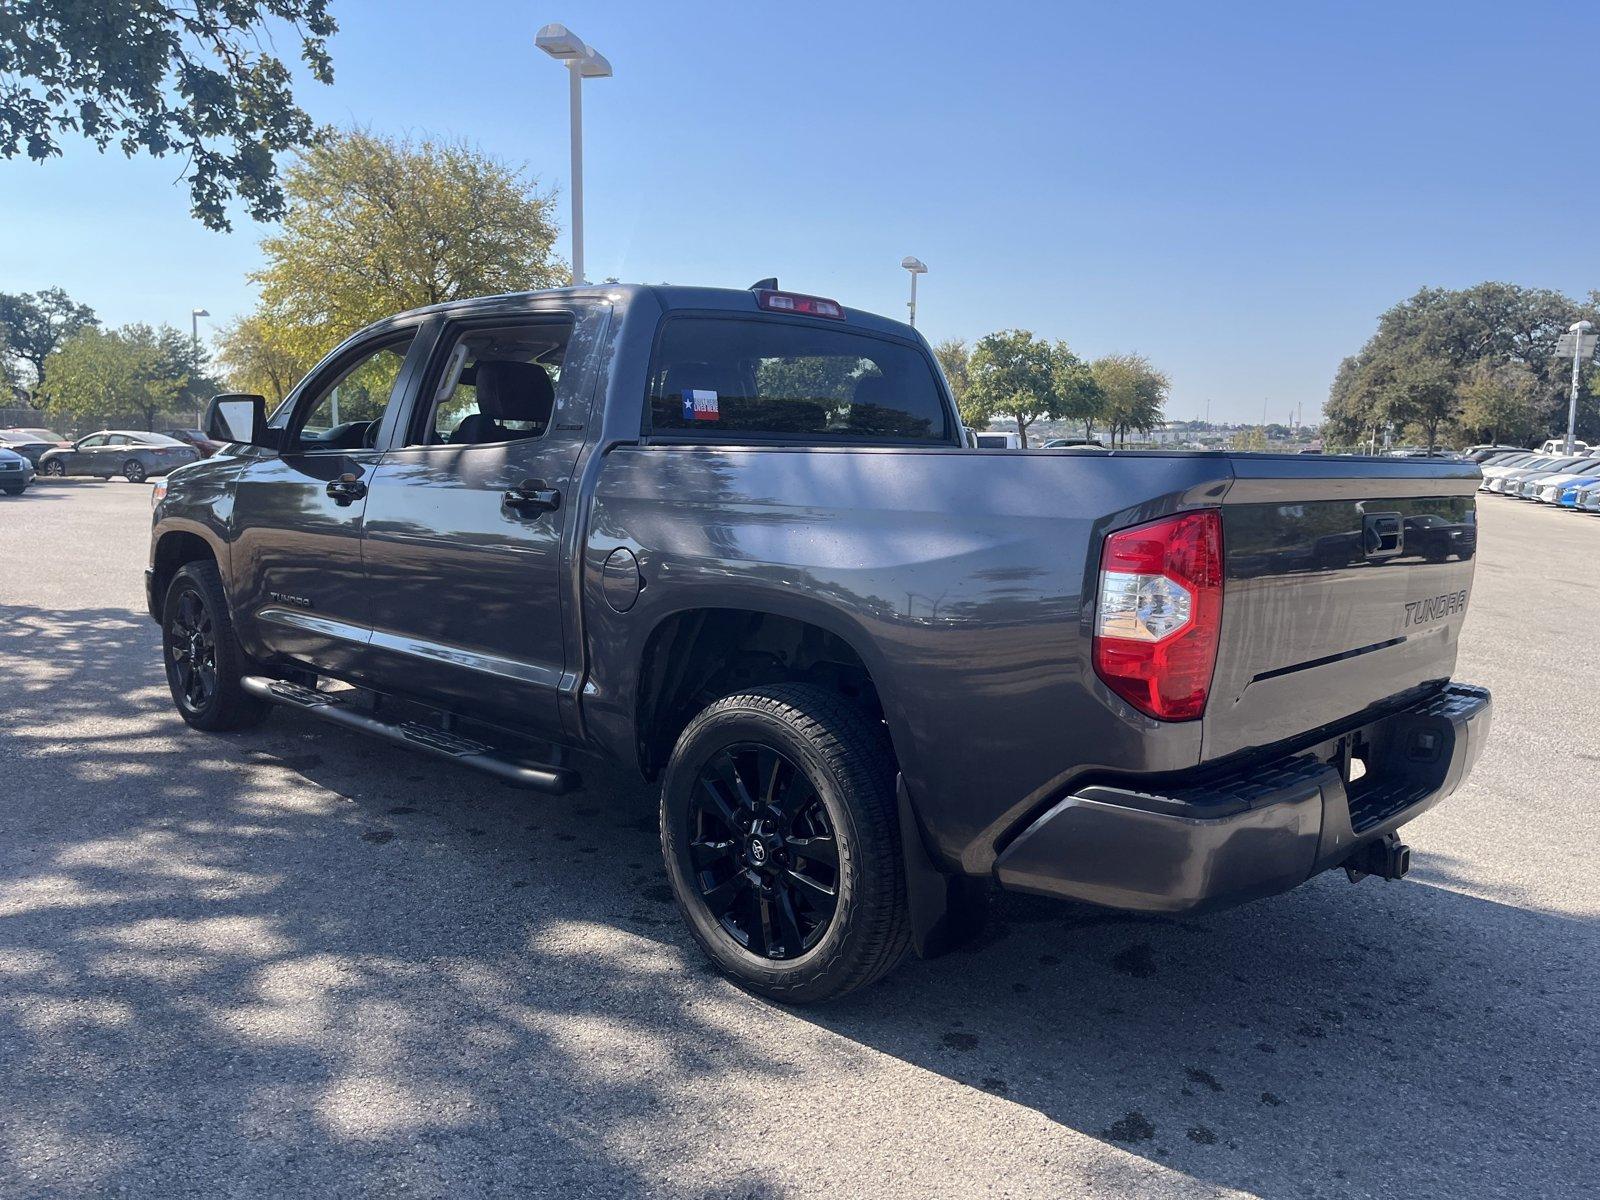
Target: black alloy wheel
{"x": 202, "y": 657}
{"x": 134, "y": 470}
{"x": 54, "y": 467}
{"x": 191, "y": 641}
{"x": 780, "y": 837}
{"x": 765, "y": 857}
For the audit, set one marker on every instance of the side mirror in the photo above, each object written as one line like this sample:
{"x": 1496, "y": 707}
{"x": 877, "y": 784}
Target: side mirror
{"x": 240, "y": 417}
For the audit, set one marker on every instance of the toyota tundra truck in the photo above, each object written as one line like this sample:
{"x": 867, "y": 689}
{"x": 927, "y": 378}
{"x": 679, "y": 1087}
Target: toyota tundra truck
{"x": 737, "y": 541}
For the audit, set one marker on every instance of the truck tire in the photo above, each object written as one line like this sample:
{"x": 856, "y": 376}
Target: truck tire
{"x": 782, "y": 843}
{"x": 202, "y": 656}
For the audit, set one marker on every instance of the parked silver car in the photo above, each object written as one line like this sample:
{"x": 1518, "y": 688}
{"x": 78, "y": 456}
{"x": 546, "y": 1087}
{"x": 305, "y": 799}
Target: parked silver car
{"x": 128, "y": 452}
{"x": 16, "y": 473}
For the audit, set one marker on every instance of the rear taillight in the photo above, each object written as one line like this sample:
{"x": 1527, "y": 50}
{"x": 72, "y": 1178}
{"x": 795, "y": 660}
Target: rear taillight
{"x": 1159, "y": 613}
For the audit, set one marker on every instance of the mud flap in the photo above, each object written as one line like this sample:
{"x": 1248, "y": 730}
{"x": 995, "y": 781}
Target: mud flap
{"x": 946, "y": 910}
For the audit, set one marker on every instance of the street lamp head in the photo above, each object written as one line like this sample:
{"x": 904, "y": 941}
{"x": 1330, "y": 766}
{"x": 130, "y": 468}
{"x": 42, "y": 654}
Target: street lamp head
{"x": 593, "y": 65}
{"x": 198, "y": 312}
{"x": 1580, "y": 327}
{"x": 559, "y": 42}
{"x": 915, "y": 265}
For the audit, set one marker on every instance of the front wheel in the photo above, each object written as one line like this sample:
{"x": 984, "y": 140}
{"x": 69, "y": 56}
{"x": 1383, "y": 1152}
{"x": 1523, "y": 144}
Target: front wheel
{"x": 782, "y": 845}
{"x": 203, "y": 660}
{"x": 54, "y": 467}
{"x": 134, "y": 470}
{"x": 15, "y": 491}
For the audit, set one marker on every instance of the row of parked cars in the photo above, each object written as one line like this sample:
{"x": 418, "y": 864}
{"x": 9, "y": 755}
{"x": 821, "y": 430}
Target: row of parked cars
{"x": 133, "y": 453}
{"x": 1545, "y": 476}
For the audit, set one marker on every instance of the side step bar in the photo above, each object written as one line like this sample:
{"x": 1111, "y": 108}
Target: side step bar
{"x": 440, "y": 743}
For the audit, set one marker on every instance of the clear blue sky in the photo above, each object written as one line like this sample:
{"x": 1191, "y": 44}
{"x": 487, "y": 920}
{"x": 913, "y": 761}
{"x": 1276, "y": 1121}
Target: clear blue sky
{"x": 1236, "y": 190}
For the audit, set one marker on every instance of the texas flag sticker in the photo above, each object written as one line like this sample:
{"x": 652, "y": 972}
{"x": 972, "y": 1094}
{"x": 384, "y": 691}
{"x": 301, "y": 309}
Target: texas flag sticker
{"x": 699, "y": 405}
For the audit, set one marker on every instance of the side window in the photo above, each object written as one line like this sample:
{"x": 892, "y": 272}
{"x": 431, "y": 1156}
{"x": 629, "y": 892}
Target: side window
{"x": 498, "y": 385}
{"x": 342, "y": 411}
{"x": 727, "y": 378}
{"x": 89, "y": 443}
{"x": 119, "y": 439}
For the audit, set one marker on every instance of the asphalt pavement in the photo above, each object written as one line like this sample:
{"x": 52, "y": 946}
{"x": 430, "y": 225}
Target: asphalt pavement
{"x": 297, "y": 962}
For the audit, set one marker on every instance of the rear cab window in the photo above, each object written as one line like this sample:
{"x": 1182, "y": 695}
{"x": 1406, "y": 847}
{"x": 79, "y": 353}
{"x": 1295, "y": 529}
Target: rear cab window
{"x": 750, "y": 379}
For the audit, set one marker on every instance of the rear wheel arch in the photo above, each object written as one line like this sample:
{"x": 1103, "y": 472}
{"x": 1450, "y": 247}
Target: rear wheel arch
{"x": 694, "y": 657}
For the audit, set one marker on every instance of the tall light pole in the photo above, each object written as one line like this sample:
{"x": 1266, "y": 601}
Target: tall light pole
{"x": 583, "y": 62}
{"x": 917, "y": 267}
{"x": 194, "y": 330}
{"x": 1579, "y": 341}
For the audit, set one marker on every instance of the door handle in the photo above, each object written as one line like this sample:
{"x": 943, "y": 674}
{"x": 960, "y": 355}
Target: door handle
{"x": 346, "y": 490}
{"x": 531, "y": 497}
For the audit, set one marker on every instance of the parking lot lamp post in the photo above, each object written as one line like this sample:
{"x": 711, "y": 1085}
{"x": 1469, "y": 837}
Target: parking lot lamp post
{"x": 917, "y": 267}
{"x": 194, "y": 330}
{"x": 583, "y": 62}
{"x": 194, "y": 341}
{"x": 1581, "y": 341}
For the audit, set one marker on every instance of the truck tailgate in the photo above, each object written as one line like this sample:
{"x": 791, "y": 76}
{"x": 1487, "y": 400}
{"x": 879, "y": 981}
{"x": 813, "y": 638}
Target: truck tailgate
{"x": 1346, "y": 584}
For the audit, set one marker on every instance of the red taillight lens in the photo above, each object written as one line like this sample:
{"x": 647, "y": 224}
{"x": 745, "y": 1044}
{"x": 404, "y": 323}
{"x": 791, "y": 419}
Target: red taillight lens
{"x": 1159, "y": 613}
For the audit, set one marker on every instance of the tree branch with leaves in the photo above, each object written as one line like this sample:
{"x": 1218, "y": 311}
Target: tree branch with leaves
{"x": 197, "y": 80}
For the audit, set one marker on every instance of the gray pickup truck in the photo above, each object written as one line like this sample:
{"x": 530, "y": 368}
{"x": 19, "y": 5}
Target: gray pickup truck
{"x": 737, "y": 541}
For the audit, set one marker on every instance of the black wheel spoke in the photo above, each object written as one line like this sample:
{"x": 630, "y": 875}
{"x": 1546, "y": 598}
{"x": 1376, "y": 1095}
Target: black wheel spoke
{"x": 757, "y": 940}
{"x": 706, "y": 855}
{"x": 788, "y": 923}
{"x": 815, "y": 849}
{"x": 798, "y": 800}
{"x": 820, "y": 894}
{"x": 769, "y": 773}
{"x": 710, "y": 798}
{"x": 720, "y": 897}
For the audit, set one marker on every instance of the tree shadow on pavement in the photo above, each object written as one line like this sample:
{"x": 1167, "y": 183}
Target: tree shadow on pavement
{"x": 295, "y": 960}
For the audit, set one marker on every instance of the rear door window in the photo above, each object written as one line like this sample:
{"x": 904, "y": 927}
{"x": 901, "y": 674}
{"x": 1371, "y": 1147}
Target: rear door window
{"x": 735, "y": 379}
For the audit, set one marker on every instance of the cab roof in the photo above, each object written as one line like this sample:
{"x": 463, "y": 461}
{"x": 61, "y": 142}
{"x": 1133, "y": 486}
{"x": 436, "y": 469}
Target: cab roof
{"x": 670, "y": 297}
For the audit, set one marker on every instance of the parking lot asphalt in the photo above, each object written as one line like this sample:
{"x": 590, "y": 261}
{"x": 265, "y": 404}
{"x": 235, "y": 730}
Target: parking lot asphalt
{"x": 293, "y": 961}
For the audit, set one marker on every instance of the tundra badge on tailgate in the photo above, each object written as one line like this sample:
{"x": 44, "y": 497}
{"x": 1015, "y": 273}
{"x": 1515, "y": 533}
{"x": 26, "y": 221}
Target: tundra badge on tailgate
{"x": 1435, "y": 607}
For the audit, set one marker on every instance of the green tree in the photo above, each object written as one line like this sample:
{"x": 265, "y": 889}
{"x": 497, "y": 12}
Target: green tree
{"x": 378, "y": 225}
{"x": 1422, "y": 393}
{"x": 954, "y": 359}
{"x": 1442, "y": 333}
{"x": 1010, "y": 376}
{"x": 1135, "y": 393}
{"x": 184, "y": 358}
{"x": 1252, "y": 439}
{"x": 33, "y": 324}
{"x": 200, "y": 80}
{"x": 1497, "y": 402}
{"x": 255, "y": 357}
{"x": 1078, "y": 395}
{"x": 99, "y": 375}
